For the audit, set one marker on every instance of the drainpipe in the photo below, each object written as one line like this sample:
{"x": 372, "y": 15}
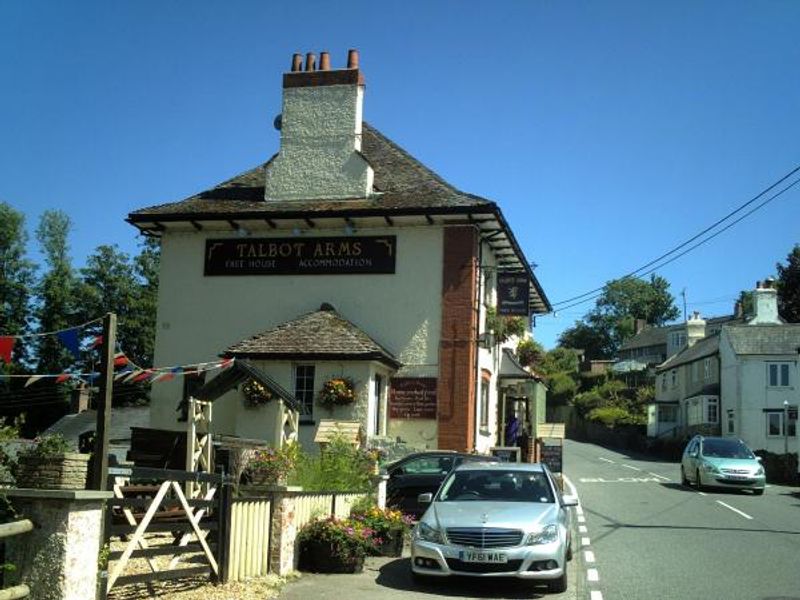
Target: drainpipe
{"x": 477, "y": 366}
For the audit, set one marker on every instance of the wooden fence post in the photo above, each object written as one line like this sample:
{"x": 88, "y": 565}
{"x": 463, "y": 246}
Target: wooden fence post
{"x": 224, "y": 532}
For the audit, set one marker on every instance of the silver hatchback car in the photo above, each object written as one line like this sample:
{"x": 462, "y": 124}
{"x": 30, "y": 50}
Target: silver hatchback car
{"x": 496, "y": 520}
{"x": 721, "y": 462}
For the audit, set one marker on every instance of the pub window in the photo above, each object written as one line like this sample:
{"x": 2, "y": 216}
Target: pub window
{"x": 484, "y": 403}
{"x": 707, "y": 369}
{"x": 713, "y": 411}
{"x": 674, "y": 378}
{"x": 192, "y": 382}
{"x": 378, "y": 394}
{"x": 774, "y": 424}
{"x": 304, "y": 390}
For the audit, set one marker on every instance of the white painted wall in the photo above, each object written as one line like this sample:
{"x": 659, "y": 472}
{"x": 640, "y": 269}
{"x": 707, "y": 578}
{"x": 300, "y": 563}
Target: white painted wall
{"x": 199, "y": 317}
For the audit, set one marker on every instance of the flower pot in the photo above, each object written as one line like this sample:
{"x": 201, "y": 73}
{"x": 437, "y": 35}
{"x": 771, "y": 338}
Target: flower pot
{"x": 392, "y": 543}
{"x": 320, "y": 557}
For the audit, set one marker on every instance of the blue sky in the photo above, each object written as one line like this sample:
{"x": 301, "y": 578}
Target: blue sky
{"x": 606, "y": 131}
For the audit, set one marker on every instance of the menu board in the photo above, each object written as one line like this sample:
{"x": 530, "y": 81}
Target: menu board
{"x": 412, "y": 398}
{"x": 551, "y": 456}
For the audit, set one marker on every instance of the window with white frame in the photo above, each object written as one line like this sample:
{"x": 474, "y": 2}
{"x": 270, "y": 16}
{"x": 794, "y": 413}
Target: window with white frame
{"x": 713, "y": 410}
{"x": 664, "y": 382}
{"x": 775, "y": 425}
{"x": 484, "y": 403}
{"x": 706, "y": 369}
{"x": 678, "y": 339}
{"x": 731, "y": 422}
{"x": 304, "y": 390}
{"x": 674, "y": 373}
{"x": 695, "y": 371}
{"x": 668, "y": 414}
{"x": 778, "y": 374}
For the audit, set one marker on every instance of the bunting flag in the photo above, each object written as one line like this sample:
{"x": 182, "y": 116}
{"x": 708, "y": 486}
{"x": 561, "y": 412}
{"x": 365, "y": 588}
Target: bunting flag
{"x": 226, "y": 363}
{"x": 71, "y": 340}
{"x": 142, "y": 376}
{"x": 63, "y": 377}
{"x": 90, "y": 377}
{"x": 122, "y": 373}
{"x": 6, "y": 346}
{"x": 98, "y": 341}
{"x": 33, "y": 379}
{"x": 167, "y": 376}
{"x": 131, "y": 375}
{"x": 120, "y": 360}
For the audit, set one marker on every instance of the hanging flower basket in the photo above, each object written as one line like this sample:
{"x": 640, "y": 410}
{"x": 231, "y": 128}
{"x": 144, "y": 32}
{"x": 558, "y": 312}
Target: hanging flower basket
{"x": 256, "y": 393}
{"x": 337, "y": 392}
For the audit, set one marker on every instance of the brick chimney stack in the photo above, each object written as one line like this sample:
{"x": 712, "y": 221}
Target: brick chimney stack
{"x": 321, "y": 121}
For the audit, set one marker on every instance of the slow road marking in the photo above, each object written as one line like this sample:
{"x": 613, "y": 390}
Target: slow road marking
{"x": 632, "y": 467}
{"x": 588, "y": 556}
{"x": 605, "y": 460}
{"x": 659, "y": 476}
{"x": 620, "y": 480}
{"x": 596, "y": 595}
{"x": 585, "y": 541}
{"x": 592, "y": 575}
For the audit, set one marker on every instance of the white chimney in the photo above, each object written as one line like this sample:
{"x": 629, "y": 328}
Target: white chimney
{"x": 765, "y": 304}
{"x": 320, "y": 124}
{"x": 695, "y": 329}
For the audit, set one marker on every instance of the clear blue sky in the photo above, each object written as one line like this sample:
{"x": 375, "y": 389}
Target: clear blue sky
{"x": 606, "y": 131}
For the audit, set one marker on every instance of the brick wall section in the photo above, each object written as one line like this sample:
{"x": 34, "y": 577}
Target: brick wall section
{"x": 456, "y": 387}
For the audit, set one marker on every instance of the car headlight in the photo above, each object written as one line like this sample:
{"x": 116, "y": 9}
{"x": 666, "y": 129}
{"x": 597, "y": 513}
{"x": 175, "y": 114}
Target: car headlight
{"x": 709, "y": 468}
{"x": 759, "y": 471}
{"x": 428, "y": 533}
{"x": 548, "y": 535}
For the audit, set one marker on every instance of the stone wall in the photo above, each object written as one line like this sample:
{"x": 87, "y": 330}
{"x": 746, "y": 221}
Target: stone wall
{"x": 63, "y": 472}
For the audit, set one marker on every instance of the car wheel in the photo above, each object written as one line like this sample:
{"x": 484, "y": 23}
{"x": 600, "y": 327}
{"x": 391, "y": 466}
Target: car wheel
{"x": 684, "y": 480}
{"x": 557, "y": 586}
{"x": 758, "y": 491}
{"x": 569, "y": 551}
{"x": 699, "y": 482}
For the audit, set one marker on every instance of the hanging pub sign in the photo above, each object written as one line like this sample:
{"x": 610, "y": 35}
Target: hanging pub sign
{"x": 301, "y": 256}
{"x": 412, "y": 398}
{"x": 512, "y": 294}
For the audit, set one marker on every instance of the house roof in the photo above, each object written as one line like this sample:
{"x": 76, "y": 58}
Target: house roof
{"x": 765, "y": 339}
{"x": 510, "y": 368}
{"x": 402, "y": 184}
{"x": 703, "y": 348}
{"x": 122, "y": 419}
{"x": 320, "y": 335}
{"x": 649, "y": 336}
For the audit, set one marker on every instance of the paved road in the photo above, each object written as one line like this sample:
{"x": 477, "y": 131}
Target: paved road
{"x": 651, "y": 538}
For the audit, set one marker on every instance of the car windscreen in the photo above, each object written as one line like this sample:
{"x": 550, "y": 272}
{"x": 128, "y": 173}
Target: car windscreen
{"x": 496, "y": 486}
{"x": 725, "y": 449}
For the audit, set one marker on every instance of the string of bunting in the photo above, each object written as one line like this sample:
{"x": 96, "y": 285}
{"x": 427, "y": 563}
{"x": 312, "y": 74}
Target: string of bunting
{"x": 126, "y": 371}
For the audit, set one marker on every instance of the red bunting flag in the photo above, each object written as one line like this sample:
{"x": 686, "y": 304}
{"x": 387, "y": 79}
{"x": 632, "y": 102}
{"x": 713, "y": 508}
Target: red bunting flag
{"x": 63, "y": 377}
{"x": 142, "y": 376}
{"x": 120, "y": 360}
{"x": 164, "y": 377}
{"x": 6, "y": 346}
{"x": 98, "y": 341}
{"x": 226, "y": 363}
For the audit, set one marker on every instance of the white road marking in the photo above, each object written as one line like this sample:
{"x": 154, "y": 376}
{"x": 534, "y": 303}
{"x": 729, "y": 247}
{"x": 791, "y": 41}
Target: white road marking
{"x": 581, "y": 519}
{"x": 620, "y": 480}
{"x": 736, "y": 510}
{"x": 702, "y": 493}
{"x": 585, "y": 541}
{"x": 588, "y": 556}
{"x": 632, "y": 467}
{"x": 605, "y": 460}
{"x": 592, "y": 575}
{"x": 596, "y": 595}
{"x": 582, "y": 529}
{"x": 659, "y": 476}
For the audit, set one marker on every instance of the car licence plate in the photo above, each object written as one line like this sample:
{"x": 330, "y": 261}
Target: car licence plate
{"x": 482, "y": 557}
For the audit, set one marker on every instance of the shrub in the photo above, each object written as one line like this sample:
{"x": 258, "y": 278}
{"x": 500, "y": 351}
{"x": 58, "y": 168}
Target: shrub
{"x": 382, "y": 520}
{"x": 347, "y": 538}
{"x": 48, "y": 446}
{"x": 339, "y": 467}
{"x": 272, "y": 465}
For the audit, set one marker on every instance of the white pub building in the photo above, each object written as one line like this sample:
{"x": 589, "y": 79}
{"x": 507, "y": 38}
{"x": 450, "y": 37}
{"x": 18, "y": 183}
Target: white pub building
{"x": 342, "y": 258}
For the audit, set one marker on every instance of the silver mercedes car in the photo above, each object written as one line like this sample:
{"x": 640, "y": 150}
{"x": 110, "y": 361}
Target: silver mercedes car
{"x": 495, "y": 520}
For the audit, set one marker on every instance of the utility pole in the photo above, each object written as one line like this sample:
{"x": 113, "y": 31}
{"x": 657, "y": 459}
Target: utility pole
{"x": 683, "y": 294}
{"x": 99, "y": 475}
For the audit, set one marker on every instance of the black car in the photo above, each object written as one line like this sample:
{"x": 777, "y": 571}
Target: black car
{"x": 419, "y": 473}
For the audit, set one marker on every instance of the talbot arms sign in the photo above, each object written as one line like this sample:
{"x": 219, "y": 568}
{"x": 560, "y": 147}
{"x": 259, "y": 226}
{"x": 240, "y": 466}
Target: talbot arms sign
{"x": 512, "y": 294}
{"x": 301, "y": 256}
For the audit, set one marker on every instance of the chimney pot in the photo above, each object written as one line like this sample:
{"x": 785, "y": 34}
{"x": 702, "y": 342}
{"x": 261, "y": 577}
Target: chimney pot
{"x": 297, "y": 62}
{"x": 352, "y": 59}
{"x": 324, "y": 61}
{"x": 311, "y": 64}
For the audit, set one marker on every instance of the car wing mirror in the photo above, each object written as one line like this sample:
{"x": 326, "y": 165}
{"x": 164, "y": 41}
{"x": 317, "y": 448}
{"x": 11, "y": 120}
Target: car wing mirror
{"x": 569, "y": 500}
{"x": 425, "y": 498}
{"x": 759, "y": 459}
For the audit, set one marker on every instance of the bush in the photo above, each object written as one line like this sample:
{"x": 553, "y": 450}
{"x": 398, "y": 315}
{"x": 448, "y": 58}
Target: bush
{"x": 272, "y": 465}
{"x": 340, "y": 467}
{"x": 48, "y": 446}
{"x": 348, "y": 538}
{"x": 779, "y": 468}
{"x": 382, "y": 520}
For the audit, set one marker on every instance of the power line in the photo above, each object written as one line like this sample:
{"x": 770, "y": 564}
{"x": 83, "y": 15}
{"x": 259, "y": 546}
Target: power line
{"x": 698, "y": 244}
{"x": 635, "y": 273}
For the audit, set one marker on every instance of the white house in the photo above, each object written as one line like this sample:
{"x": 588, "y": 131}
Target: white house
{"x": 341, "y": 257}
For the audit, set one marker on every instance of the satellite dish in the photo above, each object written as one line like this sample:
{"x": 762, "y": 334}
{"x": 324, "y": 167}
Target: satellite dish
{"x": 277, "y": 122}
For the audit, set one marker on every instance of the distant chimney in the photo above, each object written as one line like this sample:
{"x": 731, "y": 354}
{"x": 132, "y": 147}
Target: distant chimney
{"x": 765, "y": 304}
{"x": 695, "y": 329}
{"x": 321, "y": 121}
{"x": 639, "y": 325}
{"x": 79, "y": 400}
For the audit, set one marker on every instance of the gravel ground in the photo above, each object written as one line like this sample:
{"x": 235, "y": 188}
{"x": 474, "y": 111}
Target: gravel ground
{"x": 190, "y": 588}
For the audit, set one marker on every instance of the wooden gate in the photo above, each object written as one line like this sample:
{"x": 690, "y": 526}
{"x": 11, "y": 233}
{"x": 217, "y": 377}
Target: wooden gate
{"x": 151, "y": 518}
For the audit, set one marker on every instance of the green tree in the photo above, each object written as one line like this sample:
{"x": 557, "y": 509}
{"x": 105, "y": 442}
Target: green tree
{"x": 146, "y": 265}
{"x": 603, "y": 330}
{"x": 16, "y": 277}
{"x": 529, "y": 352}
{"x": 56, "y": 307}
{"x": 789, "y": 287}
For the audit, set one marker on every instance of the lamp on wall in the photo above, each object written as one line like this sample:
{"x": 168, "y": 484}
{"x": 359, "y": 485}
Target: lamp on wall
{"x": 487, "y": 340}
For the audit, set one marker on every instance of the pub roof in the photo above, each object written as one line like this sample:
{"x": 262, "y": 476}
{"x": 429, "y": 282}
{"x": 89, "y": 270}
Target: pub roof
{"x": 320, "y": 335}
{"x": 403, "y": 187}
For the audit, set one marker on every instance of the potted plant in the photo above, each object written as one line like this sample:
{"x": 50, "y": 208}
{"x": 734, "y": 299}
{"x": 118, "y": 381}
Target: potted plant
{"x": 338, "y": 391}
{"x": 335, "y": 545}
{"x": 390, "y": 528}
{"x": 271, "y": 466}
{"x": 51, "y": 463}
{"x": 255, "y": 393}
